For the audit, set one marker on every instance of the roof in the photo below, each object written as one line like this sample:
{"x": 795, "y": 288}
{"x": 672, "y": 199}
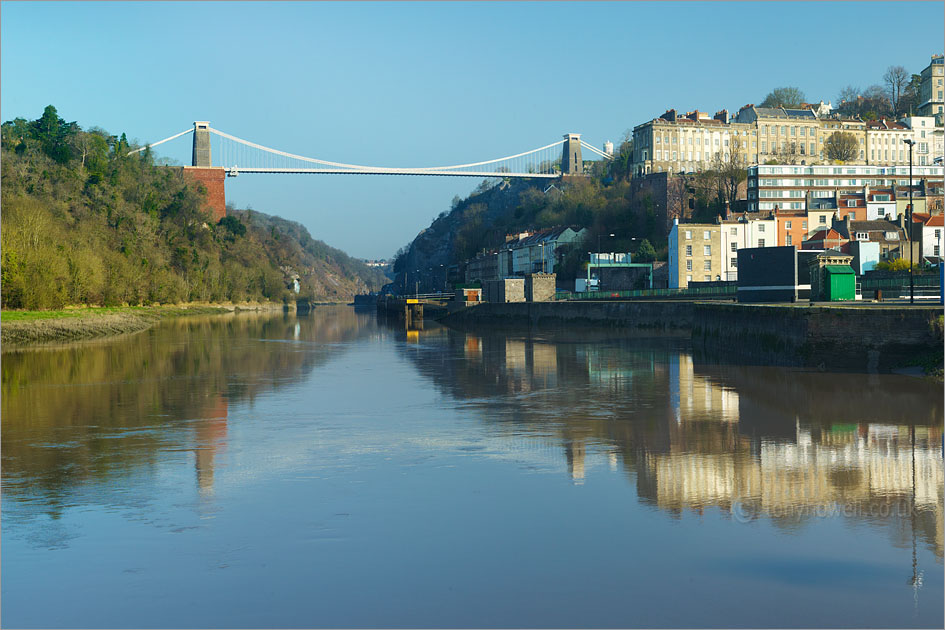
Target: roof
{"x": 823, "y": 235}
{"x": 937, "y": 221}
{"x": 844, "y": 269}
{"x": 799, "y": 113}
{"x": 822, "y": 203}
{"x": 873, "y": 226}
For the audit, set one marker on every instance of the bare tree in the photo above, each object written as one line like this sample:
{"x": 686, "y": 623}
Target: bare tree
{"x": 733, "y": 171}
{"x": 676, "y": 197}
{"x": 788, "y": 152}
{"x": 842, "y": 146}
{"x": 848, "y": 100}
{"x": 896, "y": 79}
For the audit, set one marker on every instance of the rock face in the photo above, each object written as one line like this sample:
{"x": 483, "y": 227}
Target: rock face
{"x": 425, "y": 265}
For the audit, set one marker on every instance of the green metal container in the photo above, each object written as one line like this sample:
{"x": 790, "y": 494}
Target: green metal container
{"x": 840, "y": 283}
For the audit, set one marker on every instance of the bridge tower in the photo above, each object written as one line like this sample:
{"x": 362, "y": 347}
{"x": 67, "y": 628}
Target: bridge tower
{"x": 202, "y": 172}
{"x": 201, "y": 155}
{"x": 571, "y": 162}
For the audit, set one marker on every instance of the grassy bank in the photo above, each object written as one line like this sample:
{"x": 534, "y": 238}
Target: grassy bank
{"x": 24, "y": 328}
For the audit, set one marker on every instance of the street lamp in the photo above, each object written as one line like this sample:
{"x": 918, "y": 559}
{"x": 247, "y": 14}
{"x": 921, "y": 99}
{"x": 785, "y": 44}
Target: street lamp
{"x": 910, "y": 142}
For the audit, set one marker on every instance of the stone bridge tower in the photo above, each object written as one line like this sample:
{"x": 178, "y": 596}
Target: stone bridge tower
{"x": 202, "y": 171}
{"x": 571, "y": 162}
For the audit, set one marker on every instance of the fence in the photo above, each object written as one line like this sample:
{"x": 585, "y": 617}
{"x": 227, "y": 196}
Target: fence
{"x": 706, "y": 293}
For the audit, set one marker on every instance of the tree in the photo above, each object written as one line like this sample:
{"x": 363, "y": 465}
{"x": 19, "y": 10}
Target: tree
{"x": 784, "y": 97}
{"x": 875, "y": 103}
{"x": 842, "y": 146}
{"x": 645, "y": 253}
{"x": 910, "y": 96}
{"x": 735, "y": 171}
{"x": 848, "y": 101}
{"x": 896, "y": 79}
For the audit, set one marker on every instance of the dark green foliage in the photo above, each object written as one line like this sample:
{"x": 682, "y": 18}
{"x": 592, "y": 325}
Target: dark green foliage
{"x": 83, "y": 222}
{"x": 233, "y": 225}
{"x": 645, "y": 253}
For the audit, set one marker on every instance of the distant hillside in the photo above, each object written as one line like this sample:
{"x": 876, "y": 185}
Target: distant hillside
{"x": 604, "y": 202}
{"x": 84, "y": 223}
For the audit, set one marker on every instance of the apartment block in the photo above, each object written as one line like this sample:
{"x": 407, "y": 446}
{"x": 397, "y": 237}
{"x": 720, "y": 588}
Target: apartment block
{"x": 695, "y": 254}
{"x": 792, "y": 187}
{"x": 928, "y": 136}
{"x": 931, "y": 101}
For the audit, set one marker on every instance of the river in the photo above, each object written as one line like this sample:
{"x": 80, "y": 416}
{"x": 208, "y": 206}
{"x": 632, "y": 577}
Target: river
{"x": 328, "y": 469}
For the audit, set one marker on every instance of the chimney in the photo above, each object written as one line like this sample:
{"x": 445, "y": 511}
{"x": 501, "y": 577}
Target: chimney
{"x": 670, "y": 115}
{"x": 846, "y": 224}
{"x": 722, "y": 116}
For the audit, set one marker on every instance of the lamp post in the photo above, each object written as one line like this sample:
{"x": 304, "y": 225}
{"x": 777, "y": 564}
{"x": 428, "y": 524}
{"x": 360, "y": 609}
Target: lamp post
{"x": 910, "y": 142}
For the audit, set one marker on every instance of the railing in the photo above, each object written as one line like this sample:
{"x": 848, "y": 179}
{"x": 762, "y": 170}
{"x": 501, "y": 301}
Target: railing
{"x": 724, "y": 292}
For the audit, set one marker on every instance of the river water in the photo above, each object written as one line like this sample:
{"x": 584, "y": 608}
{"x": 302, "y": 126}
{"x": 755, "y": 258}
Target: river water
{"x": 270, "y": 470}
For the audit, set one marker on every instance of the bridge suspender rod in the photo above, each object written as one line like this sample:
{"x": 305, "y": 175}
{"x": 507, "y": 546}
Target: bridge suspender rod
{"x": 362, "y": 167}
{"x": 594, "y": 149}
{"x": 154, "y": 144}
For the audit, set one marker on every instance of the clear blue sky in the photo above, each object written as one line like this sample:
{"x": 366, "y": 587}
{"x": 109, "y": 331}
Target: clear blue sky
{"x": 415, "y": 84}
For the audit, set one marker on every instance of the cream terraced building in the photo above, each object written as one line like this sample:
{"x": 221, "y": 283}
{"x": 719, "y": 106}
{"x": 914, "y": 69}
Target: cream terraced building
{"x": 690, "y": 143}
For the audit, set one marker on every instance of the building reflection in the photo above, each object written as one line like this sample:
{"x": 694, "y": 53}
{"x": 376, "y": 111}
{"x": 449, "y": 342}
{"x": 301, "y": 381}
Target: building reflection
{"x": 751, "y": 441}
{"x": 209, "y": 442}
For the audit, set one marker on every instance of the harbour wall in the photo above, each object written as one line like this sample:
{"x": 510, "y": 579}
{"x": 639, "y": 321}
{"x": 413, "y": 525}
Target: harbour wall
{"x": 869, "y": 338}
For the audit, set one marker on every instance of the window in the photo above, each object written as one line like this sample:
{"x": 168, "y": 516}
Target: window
{"x": 688, "y": 250}
{"x": 761, "y": 242}
{"x": 787, "y": 224}
{"x": 935, "y": 250}
{"x": 734, "y": 247}
{"x": 822, "y": 219}
{"x": 688, "y": 234}
{"x": 707, "y": 250}
{"x": 689, "y": 265}
{"x": 803, "y": 225}
{"x": 708, "y": 278}
{"x": 734, "y": 232}
{"x": 657, "y": 139}
{"x": 705, "y": 235}
{"x": 793, "y": 131}
{"x": 761, "y": 227}
{"x": 674, "y": 155}
{"x": 688, "y": 278}
{"x": 851, "y": 203}
{"x": 862, "y": 236}
{"x": 891, "y": 236}
{"x": 707, "y": 266}
{"x": 764, "y": 146}
{"x": 734, "y": 263}
{"x": 938, "y": 234}
{"x": 787, "y": 241}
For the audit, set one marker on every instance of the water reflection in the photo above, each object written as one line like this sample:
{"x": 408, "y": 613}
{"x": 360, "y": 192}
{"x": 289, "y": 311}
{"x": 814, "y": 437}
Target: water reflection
{"x": 92, "y": 412}
{"x": 783, "y": 445}
{"x": 455, "y": 479}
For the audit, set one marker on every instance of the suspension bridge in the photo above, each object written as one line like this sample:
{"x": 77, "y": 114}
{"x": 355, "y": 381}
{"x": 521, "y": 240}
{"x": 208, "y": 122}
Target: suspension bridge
{"x": 235, "y": 156}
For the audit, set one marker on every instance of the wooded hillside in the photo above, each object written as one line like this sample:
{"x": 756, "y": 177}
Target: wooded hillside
{"x": 84, "y": 223}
